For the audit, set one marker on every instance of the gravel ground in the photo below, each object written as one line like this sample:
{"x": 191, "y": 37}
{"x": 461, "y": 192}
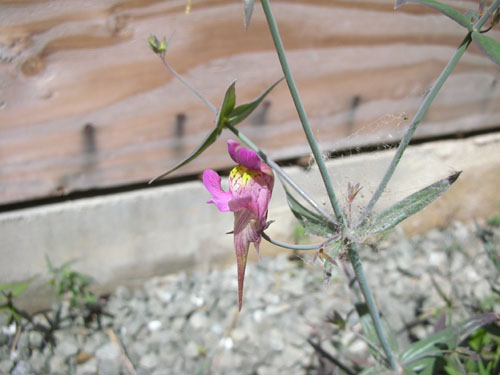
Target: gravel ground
{"x": 189, "y": 323}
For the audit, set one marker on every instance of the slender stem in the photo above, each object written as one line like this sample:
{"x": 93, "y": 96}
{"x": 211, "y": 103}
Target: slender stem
{"x": 290, "y": 246}
{"x": 315, "y": 246}
{"x": 281, "y": 173}
{"x": 493, "y": 7}
{"x": 351, "y": 281}
{"x": 301, "y": 111}
{"x": 188, "y": 85}
{"x": 330, "y": 357}
{"x": 414, "y": 124}
{"x": 481, "y": 234}
{"x": 370, "y": 344}
{"x": 424, "y": 108}
{"x": 370, "y": 303}
{"x": 358, "y": 269}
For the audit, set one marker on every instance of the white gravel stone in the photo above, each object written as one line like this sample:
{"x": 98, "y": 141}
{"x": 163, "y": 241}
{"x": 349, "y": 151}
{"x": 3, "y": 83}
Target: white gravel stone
{"x": 67, "y": 347}
{"x": 5, "y": 366}
{"x": 154, "y": 325}
{"x": 183, "y": 323}
{"x": 149, "y": 361}
{"x": 191, "y": 350}
{"x": 198, "y": 320}
{"x": 58, "y": 365}
{"x": 108, "y": 357}
{"x": 87, "y": 368}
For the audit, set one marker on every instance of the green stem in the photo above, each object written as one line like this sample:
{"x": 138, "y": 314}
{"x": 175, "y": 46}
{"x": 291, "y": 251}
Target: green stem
{"x": 481, "y": 234}
{"x": 188, "y": 85}
{"x": 281, "y": 173}
{"x": 424, "y": 108}
{"x": 358, "y": 269}
{"x": 491, "y": 10}
{"x": 301, "y": 111}
{"x": 405, "y": 141}
{"x": 370, "y": 303}
{"x": 315, "y": 246}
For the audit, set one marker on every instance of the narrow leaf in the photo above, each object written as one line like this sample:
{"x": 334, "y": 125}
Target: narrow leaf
{"x": 452, "y": 13}
{"x": 226, "y": 108}
{"x": 16, "y": 288}
{"x": 472, "y": 16}
{"x": 492, "y": 254}
{"x": 242, "y": 111}
{"x": 311, "y": 221}
{"x": 248, "y": 5}
{"x": 211, "y": 138}
{"x": 421, "y": 356}
{"x": 404, "y": 208}
{"x": 379, "y": 370}
{"x": 488, "y": 45}
{"x": 371, "y": 333}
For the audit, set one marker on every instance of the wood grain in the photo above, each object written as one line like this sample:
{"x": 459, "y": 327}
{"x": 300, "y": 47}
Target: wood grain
{"x": 85, "y": 104}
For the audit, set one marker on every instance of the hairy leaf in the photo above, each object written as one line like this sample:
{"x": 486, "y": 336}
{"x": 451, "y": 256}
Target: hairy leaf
{"x": 452, "y": 13}
{"x": 403, "y": 209}
{"x": 488, "y": 45}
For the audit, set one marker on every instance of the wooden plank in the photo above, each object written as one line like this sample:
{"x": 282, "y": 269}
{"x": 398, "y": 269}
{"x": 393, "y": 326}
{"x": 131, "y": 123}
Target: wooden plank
{"x": 85, "y": 104}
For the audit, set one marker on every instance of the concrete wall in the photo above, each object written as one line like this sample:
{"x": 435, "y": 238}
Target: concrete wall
{"x": 129, "y": 236}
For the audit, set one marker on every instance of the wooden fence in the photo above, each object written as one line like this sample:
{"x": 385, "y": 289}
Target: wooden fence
{"x": 85, "y": 104}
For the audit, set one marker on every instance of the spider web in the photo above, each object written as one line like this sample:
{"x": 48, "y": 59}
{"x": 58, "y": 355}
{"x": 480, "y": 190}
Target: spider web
{"x": 417, "y": 169}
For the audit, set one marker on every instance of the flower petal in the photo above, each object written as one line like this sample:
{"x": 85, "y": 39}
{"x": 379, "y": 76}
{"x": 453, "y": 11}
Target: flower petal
{"x": 221, "y": 198}
{"x": 246, "y": 230}
{"x": 262, "y": 195}
{"x": 244, "y": 156}
{"x": 249, "y": 159}
{"x": 231, "y": 148}
{"x": 240, "y": 203}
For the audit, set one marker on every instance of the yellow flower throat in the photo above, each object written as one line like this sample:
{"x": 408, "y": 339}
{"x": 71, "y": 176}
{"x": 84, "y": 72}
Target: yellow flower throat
{"x": 244, "y": 174}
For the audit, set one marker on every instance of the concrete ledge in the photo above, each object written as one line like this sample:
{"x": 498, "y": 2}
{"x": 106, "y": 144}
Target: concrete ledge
{"x": 129, "y": 236}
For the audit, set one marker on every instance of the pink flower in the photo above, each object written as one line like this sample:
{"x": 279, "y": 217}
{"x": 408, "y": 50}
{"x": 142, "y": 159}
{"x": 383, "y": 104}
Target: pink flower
{"x": 250, "y": 188}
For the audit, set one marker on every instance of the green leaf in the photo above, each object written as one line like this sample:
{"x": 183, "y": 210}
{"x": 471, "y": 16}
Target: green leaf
{"x": 471, "y": 15}
{"x": 242, "y": 111}
{"x": 89, "y": 298}
{"x": 488, "y": 45}
{"x": 452, "y": 13}
{"x": 403, "y": 209}
{"x": 227, "y": 106}
{"x": 312, "y": 222}
{"x": 248, "y": 5}
{"x": 226, "y": 109}
{"x": 488, "y": 246}
{"x": 371, "y": 334}
{"x": 378, "y": 370}
{"x": 63, "y": 268}
{"x": 227, "y": 114}
{"x": 209, "y": 140}
{"x": 423, "y": 355}
{"x": 16, "y": 288}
